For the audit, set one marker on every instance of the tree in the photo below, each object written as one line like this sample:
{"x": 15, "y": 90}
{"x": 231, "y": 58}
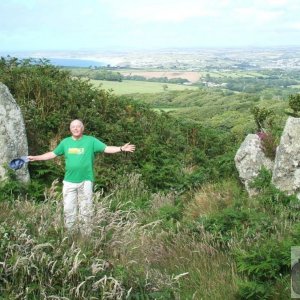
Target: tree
{"x": 260, "y": 115}
{"x": 165, "y": 87}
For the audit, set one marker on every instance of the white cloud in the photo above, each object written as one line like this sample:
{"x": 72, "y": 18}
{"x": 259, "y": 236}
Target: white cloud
{"x": 165, "y": 22}
{"x": 256, "y": 16}
{"x": 293, "y": 26}
{"x": 165, "y": 11}
{"x": 277, "y": 2}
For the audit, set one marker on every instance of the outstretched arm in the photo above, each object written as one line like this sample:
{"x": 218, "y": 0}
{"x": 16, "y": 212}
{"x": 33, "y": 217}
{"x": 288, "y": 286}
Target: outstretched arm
{"x": 45, "y": 156}
{"x": 125, "y": 148}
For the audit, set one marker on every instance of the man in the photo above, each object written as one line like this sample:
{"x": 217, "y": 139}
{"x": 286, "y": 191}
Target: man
{"x": 79, "y": 151}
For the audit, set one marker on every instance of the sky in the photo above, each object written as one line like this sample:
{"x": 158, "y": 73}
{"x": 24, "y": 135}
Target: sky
{"x": 74, "y": 25}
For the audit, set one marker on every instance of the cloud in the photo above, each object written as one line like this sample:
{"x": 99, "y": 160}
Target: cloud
{"x": 96, "y": 23}
{"x": 277, "y": 2}
{"x": 293, "y": 26}
{"x": 166, "y": 11}
{"x": 256, "y": 16}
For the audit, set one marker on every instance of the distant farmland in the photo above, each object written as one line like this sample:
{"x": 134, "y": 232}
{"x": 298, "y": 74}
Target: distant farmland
{"x": 132, "y": 87}
{"x": 190, "y": 76}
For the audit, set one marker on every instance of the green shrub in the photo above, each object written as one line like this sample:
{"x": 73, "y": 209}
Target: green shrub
{"x": 252, "y": 290}
{"x": 50, "y": 98}
{"x": 265, "y": 261}
{"x": 263, "y": 264}
{"x": 294, "y": 104}
{"x": 263, "y": 180}
{"x": 237, "y": 224}
{"x": 269, "y": 196}
{"x": 260, "y": 116}
{"x": 169, "y": 216}
{"x": 12, "y": 189}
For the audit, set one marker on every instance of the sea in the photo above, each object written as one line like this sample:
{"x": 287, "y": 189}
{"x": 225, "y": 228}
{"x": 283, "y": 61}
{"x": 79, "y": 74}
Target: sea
{"x": 70, "y": 62}
{"x": 62, "y": 62}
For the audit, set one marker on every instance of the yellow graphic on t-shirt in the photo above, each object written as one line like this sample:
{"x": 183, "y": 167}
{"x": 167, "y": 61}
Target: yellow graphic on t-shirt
{"x": 75, "y": 150}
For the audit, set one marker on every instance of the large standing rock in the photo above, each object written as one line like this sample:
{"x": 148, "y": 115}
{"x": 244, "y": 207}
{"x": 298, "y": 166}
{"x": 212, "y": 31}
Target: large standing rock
{"x": 13, "y": 140}
{"x": 249, "y": 159}
{"x": 286, "y": 172}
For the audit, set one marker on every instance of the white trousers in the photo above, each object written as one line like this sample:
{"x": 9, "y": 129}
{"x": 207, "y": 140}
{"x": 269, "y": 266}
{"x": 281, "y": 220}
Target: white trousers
{"x": 78, "y": 204}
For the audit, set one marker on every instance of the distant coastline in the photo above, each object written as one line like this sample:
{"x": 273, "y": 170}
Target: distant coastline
{"x": 60, "y": 61}
{"x": 71, "y": 62}
{"x": 187, "y": 59}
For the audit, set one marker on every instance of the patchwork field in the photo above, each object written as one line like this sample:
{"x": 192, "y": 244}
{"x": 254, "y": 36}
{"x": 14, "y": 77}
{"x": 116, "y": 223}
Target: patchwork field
{"x": 189, "y": 75}
{"x": 132, "y": 87}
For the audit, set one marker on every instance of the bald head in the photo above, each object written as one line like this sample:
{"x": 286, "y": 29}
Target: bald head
{"x": 76, "y": 128}
{"x": 76, "y": 123}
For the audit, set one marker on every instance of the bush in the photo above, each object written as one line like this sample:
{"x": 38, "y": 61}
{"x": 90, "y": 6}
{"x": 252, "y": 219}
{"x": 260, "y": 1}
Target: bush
{"x": 252, "y": 290}
{"x": 264, "y": 264}
{"x": 235, "y": 225}
{"x": 260, "y": 116}
{"x": 294, "y": 104}
{"x": 50, "y": 98}
{"x": 269, "y": 196}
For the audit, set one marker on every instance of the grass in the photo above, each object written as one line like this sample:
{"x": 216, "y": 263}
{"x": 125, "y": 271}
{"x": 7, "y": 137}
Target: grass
{"x": 133, "y": 252}
{"x": 41, "y": 260}
{"x": 232, "y": 74}
{"x": 125, "y": 257}
{"x": 296, "y": 86}
{"x": 199, "y": 259}
{"x": 211, "y": 198}
{"x": 132, "y": 87}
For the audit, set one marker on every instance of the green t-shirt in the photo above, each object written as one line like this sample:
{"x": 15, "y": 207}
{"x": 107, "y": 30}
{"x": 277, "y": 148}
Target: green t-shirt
{"x": 79, "y": 157}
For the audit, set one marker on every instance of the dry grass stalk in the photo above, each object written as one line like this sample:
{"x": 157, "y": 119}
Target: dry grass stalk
{"x": 208, "y": 199}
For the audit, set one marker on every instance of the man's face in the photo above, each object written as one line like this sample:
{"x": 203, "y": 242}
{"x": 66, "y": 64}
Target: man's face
{"x": 76, "y": 128}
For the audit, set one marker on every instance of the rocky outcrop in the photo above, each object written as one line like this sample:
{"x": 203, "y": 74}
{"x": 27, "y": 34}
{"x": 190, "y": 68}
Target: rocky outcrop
{"x": 13, "y": 140}
{"x": 249, "y": 160}
{"x": 286, "y": 172}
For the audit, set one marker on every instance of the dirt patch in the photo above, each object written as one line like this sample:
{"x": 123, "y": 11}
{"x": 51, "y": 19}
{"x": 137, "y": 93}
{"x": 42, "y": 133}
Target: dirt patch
{"x": 190, "y": 76}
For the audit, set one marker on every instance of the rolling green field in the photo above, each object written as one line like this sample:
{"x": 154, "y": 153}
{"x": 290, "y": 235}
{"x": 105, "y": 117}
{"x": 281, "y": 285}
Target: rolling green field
{"x": 132, "y": 87}
{"x": 233, "y": 74}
